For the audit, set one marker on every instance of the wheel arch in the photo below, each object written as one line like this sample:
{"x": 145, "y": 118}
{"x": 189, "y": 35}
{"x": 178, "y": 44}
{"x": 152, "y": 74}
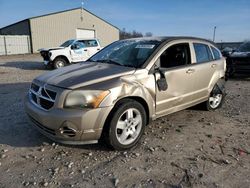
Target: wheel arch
{"x": 63, "y": 57}
{"x": 135, "y": 98}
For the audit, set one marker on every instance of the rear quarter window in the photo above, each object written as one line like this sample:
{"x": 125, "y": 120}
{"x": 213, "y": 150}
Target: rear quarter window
{"x": 216, "y": 53}
{"x": 91, "y": 43}
{"x": 202, "y": 52}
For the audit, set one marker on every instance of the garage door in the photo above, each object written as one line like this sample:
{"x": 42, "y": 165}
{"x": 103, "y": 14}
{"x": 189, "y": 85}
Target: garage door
{"x": 14, "y": 44}
{"x": 85, "y": 34}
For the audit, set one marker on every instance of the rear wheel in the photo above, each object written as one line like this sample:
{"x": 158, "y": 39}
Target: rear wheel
{"x": 127, "y": 125}
{"x": 59, "y": 63}
{"x": 215, "y": 99}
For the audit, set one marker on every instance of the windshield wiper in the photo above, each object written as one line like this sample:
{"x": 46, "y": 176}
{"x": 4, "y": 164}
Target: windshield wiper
{"x": 110, "y": 61}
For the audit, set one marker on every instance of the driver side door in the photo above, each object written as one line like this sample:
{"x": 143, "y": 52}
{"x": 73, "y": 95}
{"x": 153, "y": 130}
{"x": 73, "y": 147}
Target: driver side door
{"x": 176, "y": 66}
{"x": 77, "y": 51}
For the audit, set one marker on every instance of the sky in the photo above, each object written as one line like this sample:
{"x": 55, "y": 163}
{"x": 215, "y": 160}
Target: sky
{"x": 161, "y": 17}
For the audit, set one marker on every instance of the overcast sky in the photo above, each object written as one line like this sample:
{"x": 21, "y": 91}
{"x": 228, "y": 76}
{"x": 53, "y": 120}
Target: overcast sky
{"x": 161, "y": 17}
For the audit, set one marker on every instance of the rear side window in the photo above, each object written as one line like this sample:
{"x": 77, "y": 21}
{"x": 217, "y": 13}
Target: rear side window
{"x": 203, "y": 53}
{"x": 216, "y": 53}
{"x": 91, "y": 43}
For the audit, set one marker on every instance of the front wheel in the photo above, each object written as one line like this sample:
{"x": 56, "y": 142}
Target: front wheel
{"x": 59, "y": 63}
{"x": 126, "y": 126}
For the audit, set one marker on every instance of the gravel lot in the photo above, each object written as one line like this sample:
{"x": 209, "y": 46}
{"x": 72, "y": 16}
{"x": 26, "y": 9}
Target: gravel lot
{"x": 191, "y": 148}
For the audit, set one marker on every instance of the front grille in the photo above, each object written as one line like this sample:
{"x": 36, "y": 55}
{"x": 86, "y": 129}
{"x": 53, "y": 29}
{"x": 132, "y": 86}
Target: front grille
{"x": 45, "y": 55}
{"x": 42, "y": 97}
{"x": 34, "y": 87}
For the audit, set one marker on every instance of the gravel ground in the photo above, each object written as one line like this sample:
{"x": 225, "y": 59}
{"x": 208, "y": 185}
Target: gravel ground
{"x": 191, "y": 148}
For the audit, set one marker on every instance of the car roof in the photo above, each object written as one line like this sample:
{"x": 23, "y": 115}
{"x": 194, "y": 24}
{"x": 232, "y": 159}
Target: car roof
{"x": 171, "y": 38}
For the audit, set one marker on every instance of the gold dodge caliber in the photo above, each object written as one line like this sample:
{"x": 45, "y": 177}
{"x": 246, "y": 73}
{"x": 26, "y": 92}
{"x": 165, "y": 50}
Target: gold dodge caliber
{"x": 119, "y": 90}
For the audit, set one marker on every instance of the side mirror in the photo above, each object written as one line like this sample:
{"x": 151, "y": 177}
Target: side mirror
{"x": 162, "y": 84}
{"x": 73, "y": 46}
{"x": 162, "y": 81}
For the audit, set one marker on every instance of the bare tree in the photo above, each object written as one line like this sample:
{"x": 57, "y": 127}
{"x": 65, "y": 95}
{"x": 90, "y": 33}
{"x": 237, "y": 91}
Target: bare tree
{"x": 125, "y": 34}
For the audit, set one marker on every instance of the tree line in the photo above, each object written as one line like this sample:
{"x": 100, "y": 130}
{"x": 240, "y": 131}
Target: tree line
{"x": 133, "y": 34}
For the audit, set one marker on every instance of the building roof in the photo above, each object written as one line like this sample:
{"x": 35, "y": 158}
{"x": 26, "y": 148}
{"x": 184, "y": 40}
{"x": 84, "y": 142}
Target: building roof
{"x": 27, "y": 19}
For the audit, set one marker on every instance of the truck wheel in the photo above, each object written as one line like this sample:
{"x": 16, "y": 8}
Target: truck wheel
{"x": 215, "y": 99}
{"x": 127, "y": 125}
{"x": 59, "y": 62}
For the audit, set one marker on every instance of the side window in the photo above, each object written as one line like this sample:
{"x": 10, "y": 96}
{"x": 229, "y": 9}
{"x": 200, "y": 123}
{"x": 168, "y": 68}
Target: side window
{"x": 91, "y": 43}
{"x": 203, "y": 53}
{"x": 216, "y": 53}
{"x": 78, "y": 45}
{"x": 176, "y": 55}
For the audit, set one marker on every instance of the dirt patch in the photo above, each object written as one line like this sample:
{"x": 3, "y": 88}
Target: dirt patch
{"x": 191, "y": 148}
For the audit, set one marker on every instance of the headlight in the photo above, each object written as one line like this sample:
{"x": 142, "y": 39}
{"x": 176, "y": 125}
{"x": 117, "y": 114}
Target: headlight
{"x": 85, "y": 99}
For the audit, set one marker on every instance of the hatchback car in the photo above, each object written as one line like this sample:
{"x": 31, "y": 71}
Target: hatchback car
{"x": 119, "y": 90}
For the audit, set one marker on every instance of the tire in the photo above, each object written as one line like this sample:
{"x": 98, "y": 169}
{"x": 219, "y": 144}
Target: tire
{"x": 215, "y": 99}
{"x": 127, "y": 133}
{"x": 59, "y": 63}
{"x": 230, "y": 69}
{"x": 230, "y": 72}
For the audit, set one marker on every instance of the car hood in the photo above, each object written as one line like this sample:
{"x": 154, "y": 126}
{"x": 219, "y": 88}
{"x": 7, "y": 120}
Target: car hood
{"x": 83, "y": 74}
{"x": 240, "y": 54}
{"x": 49, "y": 49}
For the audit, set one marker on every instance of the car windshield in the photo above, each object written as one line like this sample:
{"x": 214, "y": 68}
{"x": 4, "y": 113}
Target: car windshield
{"x": 67, "y": 43}
{"x": 245, "y": 47}
{"x": 130, "y": 53}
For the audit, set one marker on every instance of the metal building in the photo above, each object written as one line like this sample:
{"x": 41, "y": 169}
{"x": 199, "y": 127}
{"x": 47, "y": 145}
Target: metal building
{"x": 53, "y": 29}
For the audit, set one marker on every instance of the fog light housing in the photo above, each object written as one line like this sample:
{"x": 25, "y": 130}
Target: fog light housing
{"x": 68, "y": 129}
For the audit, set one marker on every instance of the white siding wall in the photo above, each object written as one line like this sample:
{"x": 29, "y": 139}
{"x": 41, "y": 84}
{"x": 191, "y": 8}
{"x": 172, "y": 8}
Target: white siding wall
{"x": 14, "y": 44}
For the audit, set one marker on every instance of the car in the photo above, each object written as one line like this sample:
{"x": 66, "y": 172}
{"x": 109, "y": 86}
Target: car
{"x": 121, "y": 89}
{"x": 239, "y": 60}
{"x": 71, "y": 51}
{"x": 226, "y": 51}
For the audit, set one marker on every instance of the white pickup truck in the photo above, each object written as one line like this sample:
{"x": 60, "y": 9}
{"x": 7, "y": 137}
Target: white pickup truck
{"x": 71, "y": 51}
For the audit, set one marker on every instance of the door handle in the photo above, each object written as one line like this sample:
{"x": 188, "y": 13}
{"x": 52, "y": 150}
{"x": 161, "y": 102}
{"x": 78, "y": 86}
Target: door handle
{"x": 213, "y": 65}
{"x": 98, "y": 49}
{"x": 189, "y": 71}
{"x": 85, "y": 50}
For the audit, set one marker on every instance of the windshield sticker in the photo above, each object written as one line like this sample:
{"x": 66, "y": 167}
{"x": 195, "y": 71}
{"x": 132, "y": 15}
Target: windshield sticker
{"x": 147, "y": 46}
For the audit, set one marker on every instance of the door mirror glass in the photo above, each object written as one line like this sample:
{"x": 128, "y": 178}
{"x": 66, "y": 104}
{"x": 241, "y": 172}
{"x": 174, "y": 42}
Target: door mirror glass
{"x": 162, "y": 81}
{"x": 162, "y": 84}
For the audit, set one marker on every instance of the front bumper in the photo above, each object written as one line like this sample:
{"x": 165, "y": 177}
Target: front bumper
{"x": 45, "y": 62}
{"x": 68, "y": 126}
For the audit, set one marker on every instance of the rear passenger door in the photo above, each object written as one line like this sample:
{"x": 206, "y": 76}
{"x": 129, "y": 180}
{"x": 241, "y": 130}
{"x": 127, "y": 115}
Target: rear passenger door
{"x": 91, "y": 47}
{"x": 205, "y": 67}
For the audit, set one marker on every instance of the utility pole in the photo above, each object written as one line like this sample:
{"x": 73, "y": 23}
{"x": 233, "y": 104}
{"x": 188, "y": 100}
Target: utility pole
{"x": 82, "y": 11}
{"x": 214, "y": 33}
